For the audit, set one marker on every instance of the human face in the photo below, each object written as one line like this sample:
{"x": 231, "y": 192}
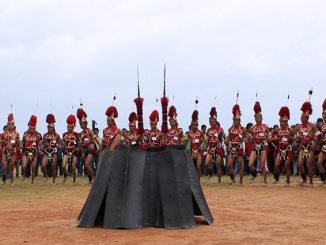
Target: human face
{"x": 11, "y": 125}
{"x": 31, "y": 129}
{"x": 110, "y": 121}
{"x": 283, "y": 124}
{"x": 51, "y": 129}
{"x": 212, "y": 122}
{"x": 153, "y": 124}
{"x": 194, "y": 126}
{"x": 236, "y": 121}
{"x": 83, "y": 125}
{"x": 258, "y": 118}
{"x": 70, "y": 128}
{"x": 173, "y": 123}
{"x": 132, "y": 127}
{"x": 304, "y": 119}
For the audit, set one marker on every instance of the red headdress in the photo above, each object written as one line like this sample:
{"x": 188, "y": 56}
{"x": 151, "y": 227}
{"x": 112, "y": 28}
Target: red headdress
{"x": 154, "y": 117}
{"x": 71, "y": 120}
{"x": 306, "y": 109}
{"x": 173, "y": 112}
{"x": 257, "y": 108}
{"x": 284, "y": 113}
{"x": 132, "y": 119}
{"x": 81, "y": 115}
{"x": 236, "y": 111}
{"x": 32, "y": 121}
{"x": 324, "y": 106}
{"x": 112, "y": 112}
{"x": 213, "y": 113}
{"x": 194, "y": 117}
{"x": 11, "y": 118}
{"x": 50, "y": 119}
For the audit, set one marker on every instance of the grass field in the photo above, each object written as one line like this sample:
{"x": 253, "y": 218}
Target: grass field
{"x": 248, "y": 214}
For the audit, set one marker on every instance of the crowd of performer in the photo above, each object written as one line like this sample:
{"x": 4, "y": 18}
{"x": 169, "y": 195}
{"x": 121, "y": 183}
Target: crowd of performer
{"x": 252, "y": 148}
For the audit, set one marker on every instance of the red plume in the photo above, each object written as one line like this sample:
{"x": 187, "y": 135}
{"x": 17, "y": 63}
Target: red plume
{"x": 71, "y": 119}
{"x": 194, "y": 115}
{"x": 32, "y": 121}
{"x": 132, "y": 117}
{"x": 154, "y": 117}
{"x": 324, "y": 105}
{"x": 284, "y": 113}
{"x": 172, "y": 111}
{"x": 236, "y": 111}
{"x": 257, "y": 107}
{"x": 213, "y": 112}
{"x": 81, "y": 113}
{"x": 164, "y": 103}
{"x": 50, "y": 118}
{"x": 112, "y": 112}
{"x": 139, "y": 104}
{"x": 306, "y": 108}
{"x": 10, "y": 117}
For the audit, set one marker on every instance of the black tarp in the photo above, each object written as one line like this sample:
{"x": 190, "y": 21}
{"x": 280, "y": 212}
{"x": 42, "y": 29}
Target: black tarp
{"x": 136, "y": 188}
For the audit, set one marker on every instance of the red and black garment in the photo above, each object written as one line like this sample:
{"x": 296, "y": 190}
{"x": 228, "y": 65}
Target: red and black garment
{"x": 71, "y": 139}
{"x": 214, "y": 137}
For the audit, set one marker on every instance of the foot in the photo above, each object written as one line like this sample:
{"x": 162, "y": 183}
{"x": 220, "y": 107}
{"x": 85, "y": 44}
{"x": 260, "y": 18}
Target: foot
{"x": 303, "y": 182}
{"x": 311, "y": 184}
{"x": 275, "y": 182}
{"x": 287, "y": 184}
{"x": 64, "y": 180}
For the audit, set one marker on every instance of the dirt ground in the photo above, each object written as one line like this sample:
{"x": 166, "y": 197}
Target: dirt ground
{"x": 249, "y": 214}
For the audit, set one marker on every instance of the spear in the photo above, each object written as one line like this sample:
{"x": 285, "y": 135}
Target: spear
{"x": 310, "y": 94}
{"x": 237, "y": 97}
{"x": 164, "y": 103}
{"x": 139, "y": 104}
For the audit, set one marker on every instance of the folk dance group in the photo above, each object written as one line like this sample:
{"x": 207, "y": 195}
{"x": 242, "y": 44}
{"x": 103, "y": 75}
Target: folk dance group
{"x": 87, "y": 144}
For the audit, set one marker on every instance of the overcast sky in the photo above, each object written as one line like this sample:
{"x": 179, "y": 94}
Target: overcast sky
{"x": 52, "y": 53}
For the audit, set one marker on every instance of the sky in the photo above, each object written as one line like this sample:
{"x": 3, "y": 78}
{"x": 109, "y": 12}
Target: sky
{"x": 54, "y": 53}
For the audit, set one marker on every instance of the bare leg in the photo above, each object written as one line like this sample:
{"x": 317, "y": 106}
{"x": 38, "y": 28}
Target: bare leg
{"x": 208, "y": 161}
{"x": 64, "y": 168}
{"x": 310, "y": 161}
{"x": 24, "y": 166}
{"x": 240, "y": 165}
{"x": 287, "y": 171}
{"x": 230, "y": 167}
{"x": 54, "y": 167}
{"x": 301, "y": 168}
{"x": 252, "y": 159}
{"x": 88, "y": 167}
{"x": 43, "y": 166}
{"x": 218, "y": 167}
{"x": 74, "y": 167}
{"x": 262, "y": 163}
{"x": 34, "y": 169}
{"x": 4, "y": 169}
{"x": 277, "y": 168}
{"x": 199, "y": 165}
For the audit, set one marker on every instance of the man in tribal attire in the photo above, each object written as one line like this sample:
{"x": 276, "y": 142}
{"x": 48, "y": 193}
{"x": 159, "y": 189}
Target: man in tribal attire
{"x": 70, "y": 148}
{"x": 10, "y": 140}
{"x": 51, "y": 141}
{"x": 322, "y": 154}
{"x": 308, "y": 137}
{"x": 235, "y": 140}
{"x": 283, "y": 139}
{"x": 259, "y": 134}
{"x": 175, "y": 134}
{"x": 153, "y": 135}
{"x": 30, "y": 142}
{"x": 87, "y": 141}
{"x": 111, "y": 134}
{"x": 132, "y": 136}
{"x": 215, "y": 137}
{"x": 196, "y": 137}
